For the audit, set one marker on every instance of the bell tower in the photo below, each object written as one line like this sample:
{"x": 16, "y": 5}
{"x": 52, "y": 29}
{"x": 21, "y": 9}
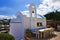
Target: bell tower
{"x": 33, "y": 15}
{"x": 32, "y": 10}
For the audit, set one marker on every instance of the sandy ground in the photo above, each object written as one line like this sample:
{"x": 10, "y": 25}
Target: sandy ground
{"x": 57, "y": 37}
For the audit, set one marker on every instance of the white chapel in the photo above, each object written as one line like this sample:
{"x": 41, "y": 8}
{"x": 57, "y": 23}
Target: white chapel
{"x": 22, "y": 22}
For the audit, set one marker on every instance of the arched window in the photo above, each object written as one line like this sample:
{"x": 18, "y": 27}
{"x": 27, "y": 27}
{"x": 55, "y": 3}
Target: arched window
{"x": 33, "y": 14}
{"x": 32, "y": 11}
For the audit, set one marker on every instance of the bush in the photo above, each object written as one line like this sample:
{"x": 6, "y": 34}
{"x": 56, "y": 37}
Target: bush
{"x": 28, "y": 32}
{"x": 6, "y": 36}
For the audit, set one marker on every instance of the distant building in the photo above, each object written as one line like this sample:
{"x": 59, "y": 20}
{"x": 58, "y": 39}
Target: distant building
{"x": 22, "y": 22}
{"x": 50, "y": 23}
{"x": 4, "y": 26}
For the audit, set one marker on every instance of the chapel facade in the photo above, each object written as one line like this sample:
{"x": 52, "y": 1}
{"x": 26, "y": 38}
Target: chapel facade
{"x": 22, "y": 22}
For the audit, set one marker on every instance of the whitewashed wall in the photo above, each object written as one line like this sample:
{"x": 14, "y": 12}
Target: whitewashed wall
{"x": 17, "y": 30}
{"x": 26, "y": 22}
{"x": 33, "y": 22}
{"x": 17, "y": 27}
{"x": 43, "y": 21}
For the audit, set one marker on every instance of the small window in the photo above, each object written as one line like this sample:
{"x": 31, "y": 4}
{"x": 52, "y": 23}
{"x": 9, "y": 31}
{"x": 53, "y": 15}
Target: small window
{"x": 32, "y": 11}
{"x": 39, "y": 24}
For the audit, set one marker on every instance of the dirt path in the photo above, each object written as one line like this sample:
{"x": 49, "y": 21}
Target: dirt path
{"x": 56, "y": 37}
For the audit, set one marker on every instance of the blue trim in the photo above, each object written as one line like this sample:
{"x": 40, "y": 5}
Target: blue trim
{"x": 35, "y": 29}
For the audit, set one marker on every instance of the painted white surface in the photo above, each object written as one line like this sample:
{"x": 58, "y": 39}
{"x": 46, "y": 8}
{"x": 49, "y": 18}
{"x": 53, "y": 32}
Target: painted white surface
{"x": 17, "y": 30}
{"x": 22, "y": 22}
{"x": 17, "y": 27}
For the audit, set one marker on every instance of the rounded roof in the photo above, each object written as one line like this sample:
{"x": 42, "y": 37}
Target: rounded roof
{"x": 19, "y": 17}
{"x": 40, "y": 16}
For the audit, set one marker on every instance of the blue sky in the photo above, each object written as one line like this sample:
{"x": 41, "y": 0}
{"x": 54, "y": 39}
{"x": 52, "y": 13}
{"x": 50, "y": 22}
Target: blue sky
{"x": 11, "y": 7}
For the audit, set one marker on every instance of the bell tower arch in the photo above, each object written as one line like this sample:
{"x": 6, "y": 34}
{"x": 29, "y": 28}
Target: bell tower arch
{"x": 32, "y": 10}
{"x": 33, "y": 15}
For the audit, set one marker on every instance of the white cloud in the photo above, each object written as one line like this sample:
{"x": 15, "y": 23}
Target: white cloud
{"x": 5, "y": 9}
{"x": 2, "y": 16}
{"x": 12, "y": 17}
{"x": 7, "y": 17}
{"x": 26, "y": 12}
{"x": 27, "y": 5}
{"x": 46, "y": 6}
{"x": 56, "y": 0}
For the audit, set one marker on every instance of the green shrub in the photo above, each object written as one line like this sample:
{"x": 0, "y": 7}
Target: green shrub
{"x": 6, "y": 36}
{"x": 28, "y": 30}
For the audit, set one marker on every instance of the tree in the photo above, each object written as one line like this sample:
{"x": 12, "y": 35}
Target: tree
{"x": 6, "y": 36}
{"x": 55, "y": 16}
